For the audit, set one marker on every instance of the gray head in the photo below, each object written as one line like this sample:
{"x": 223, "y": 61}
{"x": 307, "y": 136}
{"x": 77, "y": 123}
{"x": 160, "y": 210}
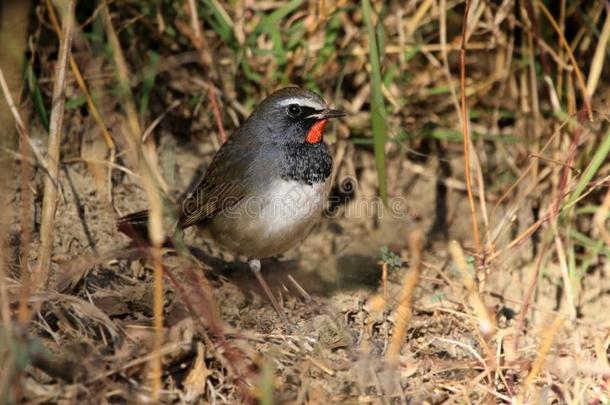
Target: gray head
{"x": 290, "y": 115}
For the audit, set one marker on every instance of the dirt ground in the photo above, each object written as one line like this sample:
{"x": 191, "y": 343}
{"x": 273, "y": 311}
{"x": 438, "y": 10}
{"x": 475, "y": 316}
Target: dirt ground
{"x": 99, "y": 326}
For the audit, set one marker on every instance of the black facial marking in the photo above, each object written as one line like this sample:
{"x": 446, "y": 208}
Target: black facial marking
{"x": 299, "y": 112}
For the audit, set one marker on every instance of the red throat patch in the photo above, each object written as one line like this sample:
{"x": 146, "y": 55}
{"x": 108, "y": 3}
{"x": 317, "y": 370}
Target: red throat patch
{"x": 316, "y": 132}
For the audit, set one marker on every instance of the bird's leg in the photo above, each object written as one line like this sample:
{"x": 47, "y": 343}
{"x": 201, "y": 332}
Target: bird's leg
{"x": 255, "y": 267}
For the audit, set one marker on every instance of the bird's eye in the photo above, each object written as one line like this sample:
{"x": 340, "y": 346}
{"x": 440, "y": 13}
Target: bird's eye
{"x": 294, "y": 110}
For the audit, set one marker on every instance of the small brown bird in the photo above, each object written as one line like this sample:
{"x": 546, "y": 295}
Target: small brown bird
{"x": 267, "y": 185}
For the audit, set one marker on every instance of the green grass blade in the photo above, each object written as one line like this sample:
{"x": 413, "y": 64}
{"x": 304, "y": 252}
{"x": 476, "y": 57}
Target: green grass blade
{"x": 74, "y": 103}
{"x": 272, "y": 21}
{"x": 378, "y": 113}
{"x": 150, "y": 75}
{"x": 221, "y": 22}
{"x": 600, "y": 157}
{"x": 271, "y": 25}
{"x": 267, "y": 384}
{"x": 36, "y": 96}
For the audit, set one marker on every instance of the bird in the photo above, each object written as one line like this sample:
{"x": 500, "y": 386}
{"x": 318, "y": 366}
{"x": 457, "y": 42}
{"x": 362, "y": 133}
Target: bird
{"x": 267, "y": 185}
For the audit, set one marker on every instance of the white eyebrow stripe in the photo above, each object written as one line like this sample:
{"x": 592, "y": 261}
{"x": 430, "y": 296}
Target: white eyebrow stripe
{"x": 303, "y": 102}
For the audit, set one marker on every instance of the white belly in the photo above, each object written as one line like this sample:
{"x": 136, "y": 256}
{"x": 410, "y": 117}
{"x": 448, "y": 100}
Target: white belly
{"x": 272, "y": 222}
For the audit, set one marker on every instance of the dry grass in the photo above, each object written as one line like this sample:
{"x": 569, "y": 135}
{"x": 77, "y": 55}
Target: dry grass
{"x": 489, "y": 119}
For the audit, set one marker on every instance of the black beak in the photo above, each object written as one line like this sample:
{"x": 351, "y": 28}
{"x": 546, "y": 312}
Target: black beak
{"x": 326, "y": 114}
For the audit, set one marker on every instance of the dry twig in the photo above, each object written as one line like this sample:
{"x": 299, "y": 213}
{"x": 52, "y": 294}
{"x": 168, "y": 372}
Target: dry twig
{"x": 49, "y": 202}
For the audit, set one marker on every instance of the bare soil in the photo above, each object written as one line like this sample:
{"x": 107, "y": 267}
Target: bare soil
{"x": 98, "y": 327}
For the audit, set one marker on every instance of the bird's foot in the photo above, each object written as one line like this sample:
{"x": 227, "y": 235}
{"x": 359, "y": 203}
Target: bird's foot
{"x": 255, "y": 267}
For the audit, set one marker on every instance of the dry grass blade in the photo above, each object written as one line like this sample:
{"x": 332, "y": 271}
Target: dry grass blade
{"x": 81, "y": 307}
{"x": 90, "y": 103}
{"x": 444, "y": 52}
{"x": 597, "y": 63}
{"x": 414, "y": 21}
{"x": 579, "y": 77}
{"x": 454, "y": 98}
{"x": 563, "y": 265}
{"x": 122, "y": 77}
{"x": 466, "y": 132}
{"x": 485, "y": 321}
{"x": 49, "y": 202}
{"x": 545, "y": 346}
{"x": 21, "y": 128}
{"x": 404, "y": 311}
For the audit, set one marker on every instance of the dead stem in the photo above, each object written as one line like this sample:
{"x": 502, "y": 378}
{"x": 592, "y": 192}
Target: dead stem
{"x": 158, "y": 323}
{"x": 49, "y": 202}
{"x": 466, "y": 133}
{"x": 90, "y": 103}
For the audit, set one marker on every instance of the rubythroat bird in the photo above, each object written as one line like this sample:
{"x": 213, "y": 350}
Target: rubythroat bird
{"x": 267, "y": 185}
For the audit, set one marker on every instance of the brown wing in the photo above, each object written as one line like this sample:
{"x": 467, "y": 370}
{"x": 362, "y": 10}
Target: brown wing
{"x": 208, "y": 200}
{"x": 231, "y": 176}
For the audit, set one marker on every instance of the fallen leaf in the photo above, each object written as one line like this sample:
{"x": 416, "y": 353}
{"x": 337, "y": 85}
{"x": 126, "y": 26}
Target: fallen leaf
{"x": 194, "y": 383}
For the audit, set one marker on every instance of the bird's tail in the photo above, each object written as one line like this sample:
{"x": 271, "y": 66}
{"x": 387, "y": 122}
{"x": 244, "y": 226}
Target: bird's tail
{"x": 135, "y": 225}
